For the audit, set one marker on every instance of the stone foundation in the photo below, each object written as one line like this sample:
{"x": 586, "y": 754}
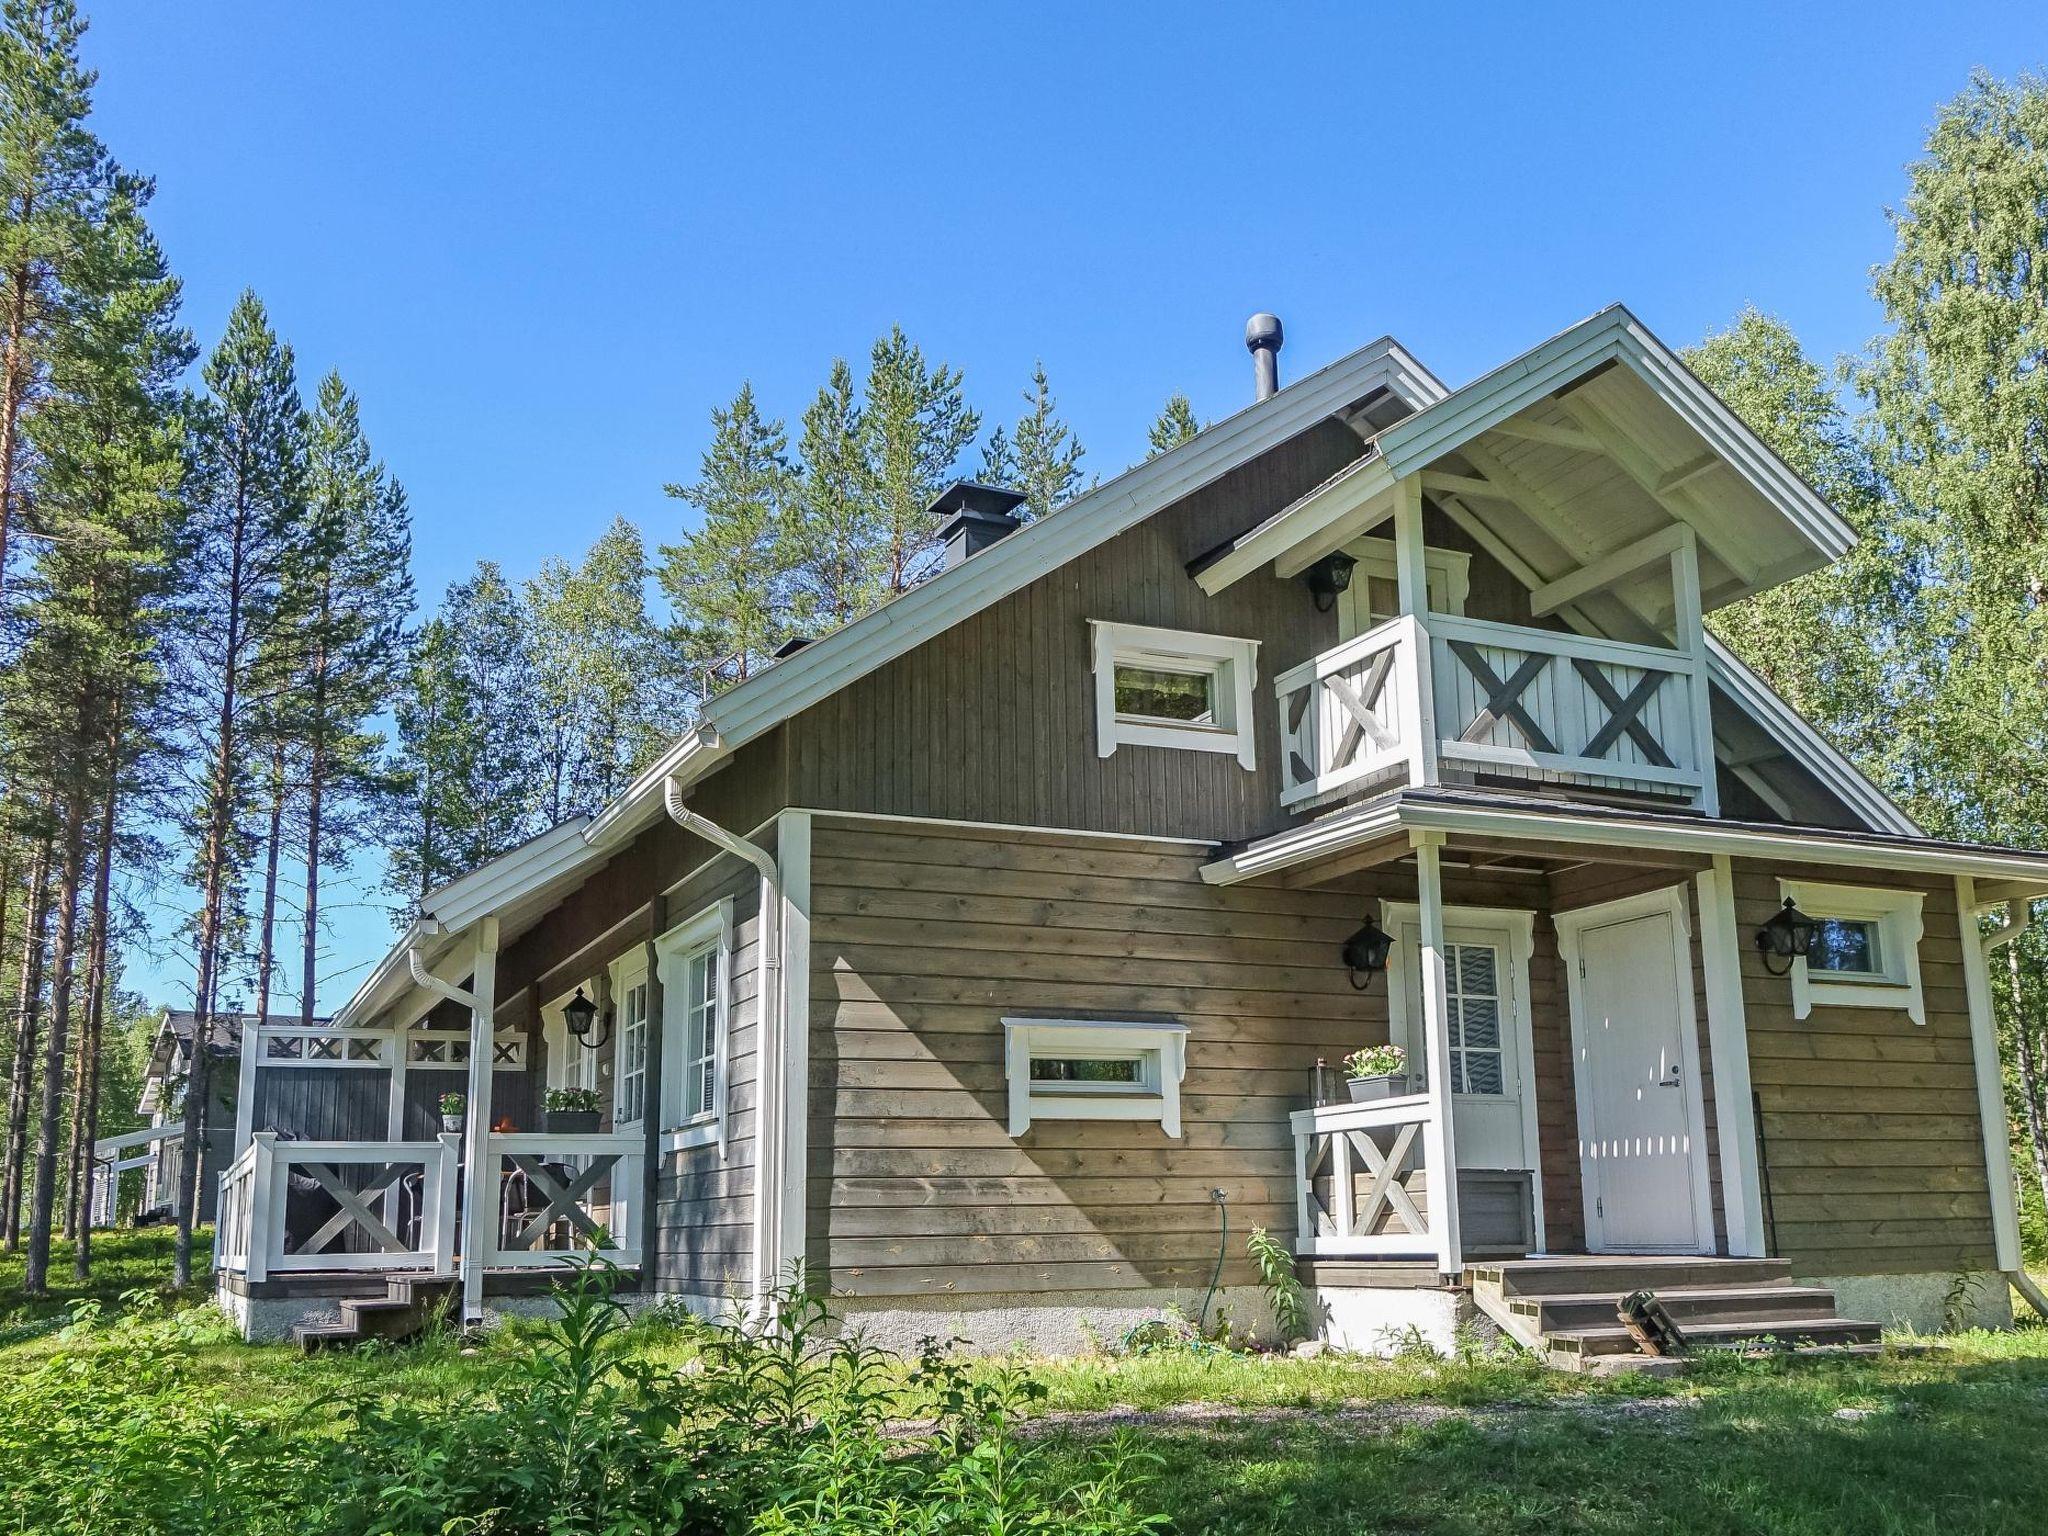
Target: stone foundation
{"x": 1920, "y": 1303}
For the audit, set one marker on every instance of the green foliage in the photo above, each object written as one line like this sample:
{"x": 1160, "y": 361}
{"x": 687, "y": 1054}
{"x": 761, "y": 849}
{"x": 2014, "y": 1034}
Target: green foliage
{"x": 1376, "y": 1061}
{"x": 1174, "y": 425}
{"x": 914, "y": 428}
{"x": 1281, "y": 1284}
{"x": 572, "y": 1101}
{"x": 1041, "y": 457}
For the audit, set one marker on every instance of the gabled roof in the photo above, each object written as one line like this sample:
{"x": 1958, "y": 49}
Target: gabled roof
{"x": 1757, "y": 522}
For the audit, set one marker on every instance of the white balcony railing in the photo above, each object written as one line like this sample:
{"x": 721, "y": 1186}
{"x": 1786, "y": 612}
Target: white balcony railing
{"x": 1349, "y": 715}
{"x": 1361, "y": 1183}
{"x": 561, "y": 1197}
{"x": 1565, "y": 707}
{"x": 293, "y": 1206}
{"x": 1526, "y": 703}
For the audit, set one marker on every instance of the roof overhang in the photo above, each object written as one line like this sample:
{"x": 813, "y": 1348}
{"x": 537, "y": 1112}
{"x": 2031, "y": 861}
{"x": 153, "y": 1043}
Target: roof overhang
{"x": 2013, "y": 872}
{"x": 1581, "y": 448}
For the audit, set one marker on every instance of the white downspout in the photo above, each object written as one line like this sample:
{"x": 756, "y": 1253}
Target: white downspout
{"x": 2019, "y": 917}
{"x": 771, "y": 1092}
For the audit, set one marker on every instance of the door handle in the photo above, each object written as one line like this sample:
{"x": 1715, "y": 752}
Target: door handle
{"x": 1669, "y": 1082}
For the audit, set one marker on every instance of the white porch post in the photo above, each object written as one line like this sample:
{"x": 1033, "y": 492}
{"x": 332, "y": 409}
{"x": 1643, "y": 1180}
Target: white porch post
{"x": 1692, "y": 639}
{"x": 1411, "y": 578}
{"x": 479, "y": 1188}
{"x": 1742, "y": 1199}
{"x": 1439, "y": 1136}
{"x": 245, "y": 1084}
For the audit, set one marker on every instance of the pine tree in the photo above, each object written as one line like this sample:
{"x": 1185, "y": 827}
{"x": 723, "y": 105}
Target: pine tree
{"x": 1042, "y": 458}
{"x": 724, "y": 578}
{"x": 56, "y": 183}
{"x": 250, "y": 493}
{"x": 466, "y": 725}
{"x": 834, "y": 543}
{"x": 356, "y": 593}
{"x": 1174, "y": 425}
{"x": 605, "y": 696}
{"x": 915, "y": 426}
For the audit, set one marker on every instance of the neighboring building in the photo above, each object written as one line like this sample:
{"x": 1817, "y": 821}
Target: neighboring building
{"x": 1058, "y": 853}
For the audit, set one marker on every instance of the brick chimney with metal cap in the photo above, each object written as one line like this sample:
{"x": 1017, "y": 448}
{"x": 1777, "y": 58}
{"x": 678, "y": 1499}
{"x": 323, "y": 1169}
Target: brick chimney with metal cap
{"x": 1263, "y": 337}
{"x": 973, "y": 516}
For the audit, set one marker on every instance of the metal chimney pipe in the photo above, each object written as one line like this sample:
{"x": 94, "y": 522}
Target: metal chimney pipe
{"x": 1263, "y": 337}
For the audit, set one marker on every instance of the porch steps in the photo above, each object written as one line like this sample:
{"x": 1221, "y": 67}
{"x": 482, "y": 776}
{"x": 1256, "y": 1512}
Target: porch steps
{"x": 407, "y": 1309}
{"x": 1566, "y": 1309}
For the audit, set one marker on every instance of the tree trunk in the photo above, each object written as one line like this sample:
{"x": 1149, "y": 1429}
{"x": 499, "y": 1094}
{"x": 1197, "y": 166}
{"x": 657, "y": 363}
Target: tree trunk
{"x": 316, "y": 770}
{"x": 2029, "y": 1070}
{"x": 63, "y": 959}
{"x": 266, "y": 933}
{"x": 27, "y": 1018}
{"x": 99, "y": 925}
{"x": 14, "y": 372}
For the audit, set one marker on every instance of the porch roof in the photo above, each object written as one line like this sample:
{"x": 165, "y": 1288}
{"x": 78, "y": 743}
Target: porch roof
{"x": 2008, "y": 873}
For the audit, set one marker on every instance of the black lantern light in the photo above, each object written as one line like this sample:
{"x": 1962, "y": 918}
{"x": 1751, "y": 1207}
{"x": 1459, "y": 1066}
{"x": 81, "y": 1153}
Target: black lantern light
{"x": 1328, "y": 577}
{"x": 1788, "y": 936}
{"x": 1365, "y": 952}
{"x": 580, "y": 1014}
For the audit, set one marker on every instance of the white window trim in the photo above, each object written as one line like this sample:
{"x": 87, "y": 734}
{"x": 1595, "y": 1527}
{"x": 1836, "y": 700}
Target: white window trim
{"x": 1233, "y": 662}
{"x": 1446, "y": 572}
{"x": 1163, "y": 1046}
{"x": 1900, "y": 926}
{"x": 627, "y": 971}
{"x": 570, "y": 1064}
{"x": 710, "y": 928}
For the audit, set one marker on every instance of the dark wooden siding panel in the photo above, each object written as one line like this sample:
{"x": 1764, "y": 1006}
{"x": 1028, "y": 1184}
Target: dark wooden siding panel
{"x": 323, "y": 1103}
{"x": 922, "y": 939}
{"x": 1871, "y": 1131}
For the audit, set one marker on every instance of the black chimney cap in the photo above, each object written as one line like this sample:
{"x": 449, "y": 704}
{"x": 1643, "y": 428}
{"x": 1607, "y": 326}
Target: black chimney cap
{"x": 973, "y": 497}
{"x": 790, "y": 646}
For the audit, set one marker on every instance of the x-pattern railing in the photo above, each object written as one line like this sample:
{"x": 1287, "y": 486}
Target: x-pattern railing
{"x": 1354, "y": 1167}
{"x": 1341, "y": 713}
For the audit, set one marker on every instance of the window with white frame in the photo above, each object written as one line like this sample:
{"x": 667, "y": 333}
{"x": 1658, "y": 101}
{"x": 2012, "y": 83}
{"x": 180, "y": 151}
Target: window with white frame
{"x": 1374, "y": 595}
{"x": 1093, "y": 1069}
{"x": 1173, "y": 688}
{"x": 695, "y": 959}
{"x": 1865, "y": 951}
{"x": 629, "y": 1053}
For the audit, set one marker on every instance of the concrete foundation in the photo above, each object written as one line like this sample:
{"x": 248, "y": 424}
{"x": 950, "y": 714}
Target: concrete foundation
{"x": 1388, "y": 1320}
{"x": 1923, "y": 1303}
{"x": 1081, "y": 1323}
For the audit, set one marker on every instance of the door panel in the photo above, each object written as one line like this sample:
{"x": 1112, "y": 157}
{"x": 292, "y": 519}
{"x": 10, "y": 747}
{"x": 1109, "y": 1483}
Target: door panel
{"x": 1486, "y": 1065}
{"x": 1636, "y": 1145}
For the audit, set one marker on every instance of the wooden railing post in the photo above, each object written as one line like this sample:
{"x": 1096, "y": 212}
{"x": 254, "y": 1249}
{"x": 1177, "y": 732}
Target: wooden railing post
{"x": 438, "y": 1206}
{"x": 265, "y": 1207}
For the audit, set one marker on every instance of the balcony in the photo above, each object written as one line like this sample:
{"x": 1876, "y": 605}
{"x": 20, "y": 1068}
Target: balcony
{"x": 1418, "y": 701}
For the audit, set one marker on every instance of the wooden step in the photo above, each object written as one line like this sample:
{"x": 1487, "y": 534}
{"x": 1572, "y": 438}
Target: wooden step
{"x": 1624, "y": 1273}
{"x": 1790, "y": 1332}
{"x": 1688, "y": 1306}
{"x": 408, "y": 1307}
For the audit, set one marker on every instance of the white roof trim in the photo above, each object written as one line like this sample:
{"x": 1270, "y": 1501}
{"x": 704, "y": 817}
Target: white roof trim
{"x": 1612, "y": 335}
{"x": 1807, "y": 745}
{"x": 1375, "y": 821}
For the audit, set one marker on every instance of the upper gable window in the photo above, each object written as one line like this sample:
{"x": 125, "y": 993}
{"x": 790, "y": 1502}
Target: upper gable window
{"x": 1374, "y": 595}
{"x": 1866, "y": 949}
{"x": 1173, "y": 688}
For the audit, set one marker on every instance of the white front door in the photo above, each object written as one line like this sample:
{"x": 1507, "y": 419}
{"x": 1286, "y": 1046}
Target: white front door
{"x": 1635, "y": 1056}
{"x": 1486, "y": 981}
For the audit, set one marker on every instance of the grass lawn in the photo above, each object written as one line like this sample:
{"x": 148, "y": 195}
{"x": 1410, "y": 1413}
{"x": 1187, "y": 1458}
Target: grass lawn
{"x": 1945, "y": 1436}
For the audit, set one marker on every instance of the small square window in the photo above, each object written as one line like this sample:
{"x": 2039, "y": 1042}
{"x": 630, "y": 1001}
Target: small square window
{"x": 1848, "y": 946}
{"x": 1165, "y": 694}
{"x": 1172, "y": 688}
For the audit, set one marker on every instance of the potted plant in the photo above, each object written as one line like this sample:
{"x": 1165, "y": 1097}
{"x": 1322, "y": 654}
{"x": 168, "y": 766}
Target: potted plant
{"x": 571, "y": 1111}
{"x": 452, "y": 1106}
{"x": 1377, "y": 1072}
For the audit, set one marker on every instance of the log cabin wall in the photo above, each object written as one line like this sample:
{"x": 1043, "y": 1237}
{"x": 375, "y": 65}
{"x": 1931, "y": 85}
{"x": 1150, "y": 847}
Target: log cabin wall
{"x": 1872, "y": 1139}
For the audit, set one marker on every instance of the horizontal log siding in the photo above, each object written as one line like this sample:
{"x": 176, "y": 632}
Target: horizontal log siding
{"x": 923, "y": 938}
{"x": 1876, "y": 1160}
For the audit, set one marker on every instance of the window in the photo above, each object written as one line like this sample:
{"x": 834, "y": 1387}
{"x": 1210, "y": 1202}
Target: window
{"x": 1094, "y": 1069}
{"x": 1171, "y": 688}
{"x": 1866, "y": 949}
{"x": 629, "y": 1054}
{"x": 1374, "y": 595}
{"x": 1473, "y": 974}
{"x": 696, "y": 960}
{"x": 570, "y": 1064}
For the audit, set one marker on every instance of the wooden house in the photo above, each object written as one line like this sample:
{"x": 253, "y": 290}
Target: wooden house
{"x": 993, "y": 957}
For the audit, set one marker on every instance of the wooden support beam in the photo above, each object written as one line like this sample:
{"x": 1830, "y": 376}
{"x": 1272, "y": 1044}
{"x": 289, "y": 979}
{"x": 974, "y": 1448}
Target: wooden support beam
{"x": 1444, "y": 482}
{"x": 1532, "y": 501}
{"x": 1553, "y": 595}
{"x": 1573, "y": 853}
{"x": 1352, "y": 861}
{"x": 1997, "y": 892}
{"x": 1690, "y": 470}
{"x": 1544, "y": 432}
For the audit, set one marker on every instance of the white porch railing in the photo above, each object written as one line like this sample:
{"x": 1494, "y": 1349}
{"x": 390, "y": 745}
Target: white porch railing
{"x": 1563, "y": 706}
{"x": 289, "y": 1206}
{"x": 1360, "y": 1180}
{"x": 560, "y": 1197}
{"x": 1349, "y": 715}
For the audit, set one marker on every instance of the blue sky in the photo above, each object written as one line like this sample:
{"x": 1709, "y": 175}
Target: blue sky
{"x": 543, "y": 242}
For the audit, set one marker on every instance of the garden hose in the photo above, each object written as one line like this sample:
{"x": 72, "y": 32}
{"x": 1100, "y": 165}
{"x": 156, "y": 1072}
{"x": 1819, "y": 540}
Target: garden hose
{"x": 1222, "y": 1247}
